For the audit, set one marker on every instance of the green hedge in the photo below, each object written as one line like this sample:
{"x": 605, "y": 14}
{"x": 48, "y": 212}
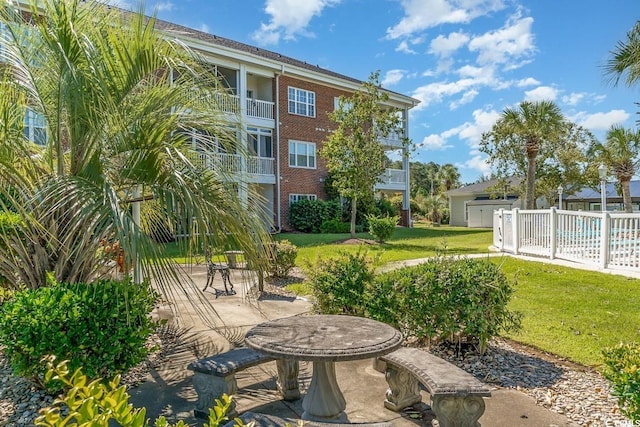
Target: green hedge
{"x": 101, "y": 327}
{"x": 308, "y": 215}
{"x": 446, "y": 298}
{"x": 382, "y": 228}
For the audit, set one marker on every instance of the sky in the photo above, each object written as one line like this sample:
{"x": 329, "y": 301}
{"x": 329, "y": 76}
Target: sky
{"x": 465, "y": 60}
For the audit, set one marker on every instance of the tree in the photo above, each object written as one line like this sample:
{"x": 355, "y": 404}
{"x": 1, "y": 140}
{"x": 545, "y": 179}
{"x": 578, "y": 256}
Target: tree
{"x": 518, "y": 137}
{"x": 625, "y": 59}
{"x": 353, "y": 152}
{"x": 448, "y": 176}
{"x": 116, "y": 101}
{"x": 620, "y": 154}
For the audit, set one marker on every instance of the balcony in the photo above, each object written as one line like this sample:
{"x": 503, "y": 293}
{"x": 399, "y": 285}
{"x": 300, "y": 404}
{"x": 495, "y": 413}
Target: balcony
{"x": 393, "y": 179}
{"x": 393, "y": 140}
{"x": 258, "y": 169}
{"x": 260, "y": 109}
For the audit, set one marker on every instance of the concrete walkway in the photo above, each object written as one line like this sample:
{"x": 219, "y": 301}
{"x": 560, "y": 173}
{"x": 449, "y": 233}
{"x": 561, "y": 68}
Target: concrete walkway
{"x": 168, "y": 390}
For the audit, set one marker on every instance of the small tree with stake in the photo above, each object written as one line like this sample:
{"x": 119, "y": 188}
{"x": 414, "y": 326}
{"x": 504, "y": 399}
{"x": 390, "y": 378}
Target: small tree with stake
{"x": 353, "y": 152}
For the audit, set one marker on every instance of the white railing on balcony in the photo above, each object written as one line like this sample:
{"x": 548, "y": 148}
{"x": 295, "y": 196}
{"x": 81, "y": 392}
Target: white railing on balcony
{"x": 607, "y": 240}
{"x": 260, "y": 109}
{"x": 228, "y": 103}
{"x": 234, "y": 163}
{"x": 394, "y": 139}
{"x": 394, "y": 176}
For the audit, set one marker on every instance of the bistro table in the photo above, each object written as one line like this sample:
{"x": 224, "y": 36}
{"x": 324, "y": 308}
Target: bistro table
{"x": 324, "y": 340}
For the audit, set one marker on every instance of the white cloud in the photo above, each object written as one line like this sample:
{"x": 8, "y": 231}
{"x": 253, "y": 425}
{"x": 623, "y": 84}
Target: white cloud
{"x": 573, "y": 98}
{"x": 204, "y": 28}
{"x": 467, "y": 97}
{"x": 392, "y": 77}
{"x": 445, "y": 46}
{"x": 600, "y": 121}
{"x": 165, "y": 6}
{"x": 420, "y": 15}
{"x": 477, "y": 162}
{"x": 511, "y": 42}
{"x": 541, "y": 93}
{"x": 404, "y": 47}
{"x": 435, "y": 92}
{"x": 289, "y": 18}
{"x": 529, "y": 81}
{"x": 434, "y": 143}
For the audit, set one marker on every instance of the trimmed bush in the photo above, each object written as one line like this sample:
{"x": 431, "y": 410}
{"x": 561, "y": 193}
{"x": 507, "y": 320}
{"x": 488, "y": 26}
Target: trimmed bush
{"x": 622, "y": 369}
{"x": 382, "y": 228}
{"x": 284, "y": 258}
{"x": 335, "y": 226}
{"x": 101, "y": 327}
{"x": 453, "y": 299}
{"x": 339, "y": 284}
{"x": 308, "y": 215}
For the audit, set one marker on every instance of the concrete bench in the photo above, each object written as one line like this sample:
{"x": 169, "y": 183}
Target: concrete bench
{"x": 456, "y": 396}
{"x": 265, "y": 420}
{"x": 216, "y": 375}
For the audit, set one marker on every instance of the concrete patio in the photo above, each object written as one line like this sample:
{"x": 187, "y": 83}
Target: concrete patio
{"x": 168, "y": 390}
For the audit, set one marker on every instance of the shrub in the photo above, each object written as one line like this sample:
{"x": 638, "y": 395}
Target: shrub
{"x": 335, "y": 226}
{"x": 101, "y": 327}
{"x": 308, "y": 215}
{"x": 388, "y": 207}
{"x": 622, "y": 368}
{"x": 446, "y": 298}
{"x": 339, "y": 283}
{"x": 382, "y": 228}
{"x": 283, "y": 258}
{"x": 103, "y": 403}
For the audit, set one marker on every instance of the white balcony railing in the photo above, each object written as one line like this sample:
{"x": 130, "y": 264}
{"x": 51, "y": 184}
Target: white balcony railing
{"x": 394, "y": 176}
{"x": 394, "y": 139}
{"x": 233, "y": 163}
{"x": 259, "y": 109}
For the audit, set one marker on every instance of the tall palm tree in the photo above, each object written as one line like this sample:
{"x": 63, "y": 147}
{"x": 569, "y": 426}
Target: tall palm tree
{"x": 449, "y": 176}
{"x": 625, "y": 58}
{"x": 119, "y": 103}
{"x": 620, "y": 153}
{"x": 526, "y": 128}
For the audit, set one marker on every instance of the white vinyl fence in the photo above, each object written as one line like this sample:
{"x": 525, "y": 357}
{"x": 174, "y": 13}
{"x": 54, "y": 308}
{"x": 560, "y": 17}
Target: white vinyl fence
{"x": 607, "y": 240}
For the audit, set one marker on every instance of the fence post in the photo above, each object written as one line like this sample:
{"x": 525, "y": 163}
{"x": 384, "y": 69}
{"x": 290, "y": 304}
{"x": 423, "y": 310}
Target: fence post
{"x": 515, "y": 223}
{"x": 604, "y": 239}
{"x": 501, "y": 228}
{"x": 553, "y": 225}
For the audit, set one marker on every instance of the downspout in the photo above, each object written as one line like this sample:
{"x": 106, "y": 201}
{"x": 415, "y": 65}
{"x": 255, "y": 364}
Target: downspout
{"x": 278, "y": 209}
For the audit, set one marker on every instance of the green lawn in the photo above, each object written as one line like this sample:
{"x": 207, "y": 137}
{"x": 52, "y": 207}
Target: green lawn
{"x": 406, "y": 243}
{"x": 574, "y": 313}
{"x": 569, "y": 312}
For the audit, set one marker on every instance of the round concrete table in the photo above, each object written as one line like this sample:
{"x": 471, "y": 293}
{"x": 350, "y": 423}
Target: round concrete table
{"x": 324, "y": 340}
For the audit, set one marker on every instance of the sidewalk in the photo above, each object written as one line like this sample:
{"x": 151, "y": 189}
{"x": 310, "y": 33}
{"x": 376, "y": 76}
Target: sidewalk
{"x": 168, "y": 390}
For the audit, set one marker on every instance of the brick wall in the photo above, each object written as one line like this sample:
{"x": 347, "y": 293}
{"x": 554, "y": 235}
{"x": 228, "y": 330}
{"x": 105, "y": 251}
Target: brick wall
{"x": 306, "y": 129}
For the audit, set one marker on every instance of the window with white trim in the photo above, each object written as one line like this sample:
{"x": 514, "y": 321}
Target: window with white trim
{"x": 302, "y": 154}
{"x": 302, "y": 102}
{"x": 35, "y": 127}
{"x": 260, "y": 141}
{"x": 297, "y": 197}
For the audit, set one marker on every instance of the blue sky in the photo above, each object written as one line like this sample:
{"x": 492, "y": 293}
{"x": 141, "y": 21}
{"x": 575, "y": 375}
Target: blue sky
{"x": 466, "y": 60}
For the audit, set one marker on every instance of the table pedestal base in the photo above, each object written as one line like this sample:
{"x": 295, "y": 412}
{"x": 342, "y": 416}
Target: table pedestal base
{"x": 324, "y": 400}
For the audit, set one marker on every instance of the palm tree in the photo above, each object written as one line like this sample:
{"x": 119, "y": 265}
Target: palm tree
{"x": 620, "y": 154}
{"x": 449, "y": 176}
{"x": 626, "y": 58}
{"x": 527, "y": 128}
{"x": 119, "y": 103}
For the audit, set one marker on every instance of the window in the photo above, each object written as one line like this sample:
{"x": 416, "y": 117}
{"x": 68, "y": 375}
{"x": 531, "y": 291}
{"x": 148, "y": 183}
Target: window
{"x": 297, "y": 197}
{"x": 302, "y": 154}
{"x": 260, "y": 142}
{"x": 35, "y": 127}
{"x": 302, "y": 102}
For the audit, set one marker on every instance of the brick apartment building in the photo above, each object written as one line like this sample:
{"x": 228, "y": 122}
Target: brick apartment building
{"x": 280, "y": 106}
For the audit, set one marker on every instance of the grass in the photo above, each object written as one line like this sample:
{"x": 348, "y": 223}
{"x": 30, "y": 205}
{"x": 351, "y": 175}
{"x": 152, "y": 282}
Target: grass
{"x": 573, "y": 313}
{"x": 406, "y": 243}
